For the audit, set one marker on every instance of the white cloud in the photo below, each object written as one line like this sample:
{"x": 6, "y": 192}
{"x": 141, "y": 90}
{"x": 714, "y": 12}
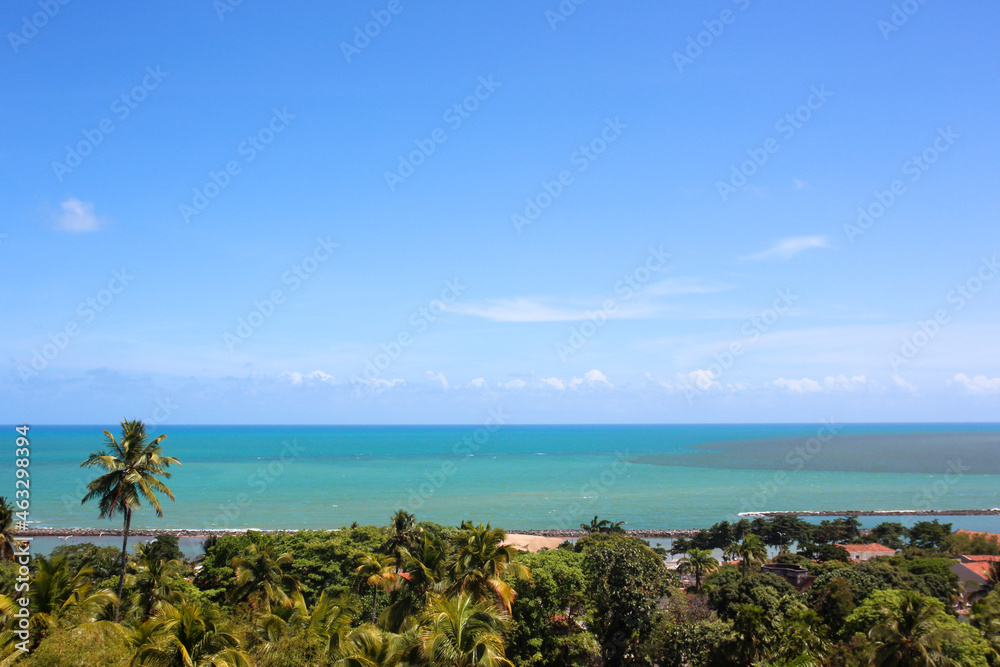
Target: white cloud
{"x": 294, "y": 378}
{"x": 596, "y": 377}
{"x": 903, "y": 384}
{"x": 803, "y": 386}
{"x": 700, "y": 379}
{"x": 845, "y": 383}
{"x": 979, "y": 384}
{"x": 679, "y": 286}
{"x": 77, "y": 216}
{"x": 520, "y": 309}
{"x": 555, "y": 383}
{"x": 591, "y": 378}
{"x": 640, "y": 304}
{"x": 378, "y": 383}
{"x": 478, "y": 383}
{"x": 788, "y": 248}
{"x": 799, "y": 184}
{"x": 514, "y": 384}
{"x": 438, "y": 377}
{"x": 299, "y": 378}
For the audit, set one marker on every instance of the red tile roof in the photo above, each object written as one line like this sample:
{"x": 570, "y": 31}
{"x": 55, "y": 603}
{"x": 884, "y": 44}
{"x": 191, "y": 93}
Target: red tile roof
{"x": 874, "y": 546}
{"x": 981, "y": 559}
{"x": 979, "y": 568}
{"x": 992, "y": 537}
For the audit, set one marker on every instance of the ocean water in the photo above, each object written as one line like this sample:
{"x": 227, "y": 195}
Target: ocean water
{"x": 530, "y": 477}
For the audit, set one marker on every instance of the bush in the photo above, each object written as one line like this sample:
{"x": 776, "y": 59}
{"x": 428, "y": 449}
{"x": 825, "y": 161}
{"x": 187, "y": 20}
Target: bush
{"x": 100, "y": 646}
{"x": 545, "y": 629}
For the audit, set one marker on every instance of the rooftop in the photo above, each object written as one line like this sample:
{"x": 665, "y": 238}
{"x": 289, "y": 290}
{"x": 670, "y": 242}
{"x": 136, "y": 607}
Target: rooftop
{"x": 874, "y": 546}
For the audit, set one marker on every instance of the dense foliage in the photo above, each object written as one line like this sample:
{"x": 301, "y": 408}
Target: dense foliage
{"x": 420, "y": 594}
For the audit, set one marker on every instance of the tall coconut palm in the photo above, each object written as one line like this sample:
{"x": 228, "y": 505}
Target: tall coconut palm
{"x": 751, "y": 550}
{"x": 7, "y": 540}
{"x": 187, "y": 636}
{"x": 379, "y": 572}
{"x": 909, "y": 637}
{"x": 460, "y": 632}
{"x": 261, "y": 579}
{"x": 134, "y": 465}
{"x": 698, "y": 561}
{"x": 480, "y": 563}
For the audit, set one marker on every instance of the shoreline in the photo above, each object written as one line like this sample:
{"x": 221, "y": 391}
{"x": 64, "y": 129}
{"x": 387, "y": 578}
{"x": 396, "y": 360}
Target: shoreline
{"x": 186, "y": 532}
{"x": 643, "y": 533}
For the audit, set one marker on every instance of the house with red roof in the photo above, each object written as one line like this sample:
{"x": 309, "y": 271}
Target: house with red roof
{"x": 863, "y": 552}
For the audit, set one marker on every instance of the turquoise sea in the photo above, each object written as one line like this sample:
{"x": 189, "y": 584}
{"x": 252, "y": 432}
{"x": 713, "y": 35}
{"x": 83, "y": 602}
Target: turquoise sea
{"x": 531, "y": 477}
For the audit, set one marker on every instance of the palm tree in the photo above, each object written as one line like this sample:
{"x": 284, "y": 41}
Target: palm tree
{"x": 7, "y": 539}
{"x": 261, "y": 579}
{"x": 480, "y": 564}
{"x": 58, "y": 591}
{"x": 328, "y": 624}
{"x": 378, "y": 571}
{"x": 460, "y": 632}
{"x": 133, "y": 467}
{"x": 802, "y": 636}
{"x": 403, "y": 527}
{"x": 154, "y": 580}
{"x": 186, "y": 636}
{"x": 754, "y": 633}
{"x": 602, "y": 526}
{"x": 909, "y": 637}
{"x": 425, "y": 568}
{"x": 369, "y": 646}
{"x": 698, "y": 561}
{"x": 750, "y": 550}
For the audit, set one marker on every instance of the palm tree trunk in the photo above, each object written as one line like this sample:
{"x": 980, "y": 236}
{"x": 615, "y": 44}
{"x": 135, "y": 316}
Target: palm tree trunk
{"x": 121, "y": 572}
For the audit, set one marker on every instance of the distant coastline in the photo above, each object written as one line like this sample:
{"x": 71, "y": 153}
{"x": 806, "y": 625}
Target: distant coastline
{"x": 644, "y": 533}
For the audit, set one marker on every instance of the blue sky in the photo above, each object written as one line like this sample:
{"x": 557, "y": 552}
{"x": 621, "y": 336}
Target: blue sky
{"x": 631, "y": 212}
